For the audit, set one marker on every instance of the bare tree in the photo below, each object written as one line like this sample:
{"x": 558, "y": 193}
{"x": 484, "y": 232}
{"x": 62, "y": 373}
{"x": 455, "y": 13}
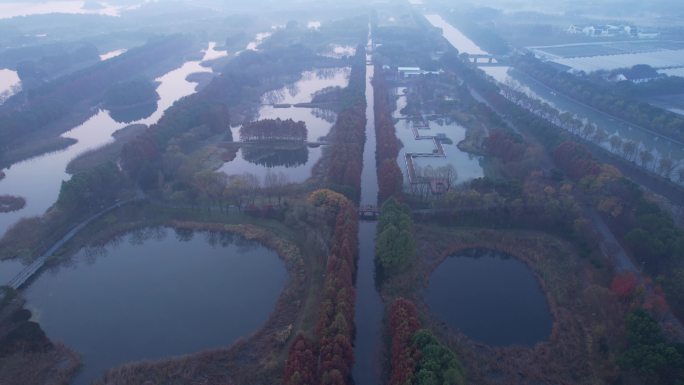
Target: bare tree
{"x": 615, "y": 143}
{"x": 665, "y": 167}
{"x": 646, "y": 158}
{"x": 629, "y": 150}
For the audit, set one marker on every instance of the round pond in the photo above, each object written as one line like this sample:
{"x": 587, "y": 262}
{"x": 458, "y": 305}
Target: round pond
{"x": 491, "y": 297}
{"x": 157, "y": 293}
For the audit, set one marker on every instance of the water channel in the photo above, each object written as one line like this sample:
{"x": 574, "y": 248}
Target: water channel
{"x": 491, "y": 297}
{"x": 39, "y": 179}
{"x": 156, "y": 293}
{"x": 368, "y": 343}
{"x": 659, "y": 145}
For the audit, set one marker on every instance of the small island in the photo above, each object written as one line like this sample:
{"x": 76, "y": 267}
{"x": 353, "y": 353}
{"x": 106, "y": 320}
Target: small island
{"x": 9, "y": 203}
{"x": 132, "y": 100}
{"x": 270, "y": 130}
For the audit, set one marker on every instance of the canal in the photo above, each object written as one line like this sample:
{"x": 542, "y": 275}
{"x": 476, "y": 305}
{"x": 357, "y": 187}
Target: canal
{"x": 369, "y": 307}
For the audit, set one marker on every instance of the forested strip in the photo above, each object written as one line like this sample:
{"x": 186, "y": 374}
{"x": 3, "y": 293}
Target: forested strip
{"x": 390, "y": 178}
{"x": 348, "y": 135}
{"x": 395, "y": 245}
{"x": 418, "y": 358}
{"x": 331, "y": 357}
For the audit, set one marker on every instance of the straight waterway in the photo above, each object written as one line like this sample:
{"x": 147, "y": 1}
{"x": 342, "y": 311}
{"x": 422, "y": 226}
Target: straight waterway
{"x": 369, "y": 307}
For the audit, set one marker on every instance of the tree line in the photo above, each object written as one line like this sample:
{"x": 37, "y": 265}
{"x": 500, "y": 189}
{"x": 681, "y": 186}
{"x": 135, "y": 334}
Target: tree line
{"x": 394, "y": 245}
{"x": 344, "y": 159}
{"x": 417, "y": 357}
{"x": 273, "y": 130}
{"x": 390, "y": 177}
{"x": 603, "y": 97}
{"x": 327, "y": 358}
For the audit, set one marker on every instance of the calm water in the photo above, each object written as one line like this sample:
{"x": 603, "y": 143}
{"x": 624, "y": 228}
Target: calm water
{"x": 368, "y": 341}
{"x": 112, "y": 54}
{"x": 153, "y": 295}
{"x": 295, "y": 164}
{"x": 455, "y": 37}
{"x": 38, "y": 179}
{"x": 490, "y": 297}
{"x": 9, "y": 84}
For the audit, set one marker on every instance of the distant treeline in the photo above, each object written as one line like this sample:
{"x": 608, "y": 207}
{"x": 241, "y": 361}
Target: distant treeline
{"x": 58, "y": 99}
{"x": 42, "y": 62}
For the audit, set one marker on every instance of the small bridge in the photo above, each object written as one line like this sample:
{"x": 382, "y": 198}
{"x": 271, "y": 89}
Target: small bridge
{"x": 31, "y": 270}
{"x": 369, "y": 212}
{"x": 486, "y": 60}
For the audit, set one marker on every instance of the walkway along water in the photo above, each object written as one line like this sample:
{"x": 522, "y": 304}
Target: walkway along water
{"x": 369, "y": 307}
{"x": 20, "y": 279}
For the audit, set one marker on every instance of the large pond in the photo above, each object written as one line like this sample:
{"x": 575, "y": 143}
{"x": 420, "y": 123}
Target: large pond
{"x": 157, "y": 293}
{"x": 491, "y": 297}
{"x": 294, "y": 162}
{"x": 39, "y": 179}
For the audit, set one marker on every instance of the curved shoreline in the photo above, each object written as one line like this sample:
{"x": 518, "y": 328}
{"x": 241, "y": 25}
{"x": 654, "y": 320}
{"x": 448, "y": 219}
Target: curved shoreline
{"x": 259, "y": 347}
{"x": 11, "y": 203}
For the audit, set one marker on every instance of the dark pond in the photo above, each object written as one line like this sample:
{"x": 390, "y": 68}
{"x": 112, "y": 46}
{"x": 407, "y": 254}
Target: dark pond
{"x": 157, "y": 293}
{"x": 491, "y": 297}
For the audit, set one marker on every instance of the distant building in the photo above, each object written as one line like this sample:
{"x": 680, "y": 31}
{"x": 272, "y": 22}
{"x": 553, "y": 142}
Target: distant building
{"x": 409, "y": 72}
{"x": 604, "y": 30}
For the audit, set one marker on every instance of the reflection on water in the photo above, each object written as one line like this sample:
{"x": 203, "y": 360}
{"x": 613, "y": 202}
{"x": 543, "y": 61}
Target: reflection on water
{"x": 295, "y": 163}
{"x": 269, "y": 157}
{"x": 455, "y": 37}
{"x": 490, "y": 297}
{"x": 10, "y": 84}
{"x": 38, "y": 179}
{"x": 154, "y": 294}
{"x": 112, "y": 54}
